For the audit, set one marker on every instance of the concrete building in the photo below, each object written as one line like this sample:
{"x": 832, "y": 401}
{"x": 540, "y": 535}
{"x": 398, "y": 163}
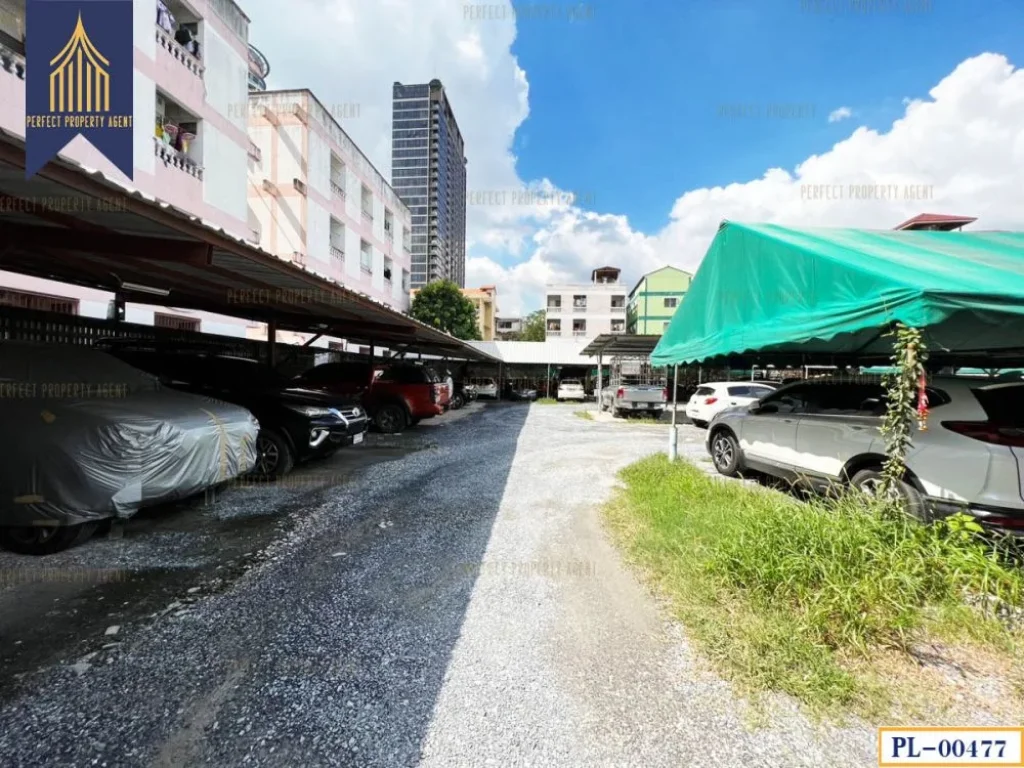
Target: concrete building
{"x": 507, "y": 328}
{"x": 587, "y": 310}
{"x": 314, "y": 198}
{"x": 428, "y": 171}
{"x": 190, "y": 144}
{"x": 485, "y": 301}
{"x": 655, "y": 299}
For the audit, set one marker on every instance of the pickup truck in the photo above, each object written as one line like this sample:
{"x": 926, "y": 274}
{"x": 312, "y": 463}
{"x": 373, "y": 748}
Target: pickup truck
{"x": 634, "y": 398}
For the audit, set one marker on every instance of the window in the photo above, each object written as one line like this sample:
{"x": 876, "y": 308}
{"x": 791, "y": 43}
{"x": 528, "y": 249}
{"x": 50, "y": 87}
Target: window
{"x": 389, "y": 224}
{"x": 554, "y": 302}
{"x": 1002, "y": 403}
{"x": 705, "y": 391}
{"x": 339, "y": 178}
{"x": 671, "y": 302}
{"x": 618, "y": 326}
{"x": 664, "y": 326}
{"x": 367, "y": 202}
{"x": 790, "y": 399}
{"x": 337, "y": 238}
{"x": 405, "y": 280}
{"x": 365, "y": 256}
{"x": 554, "y": 326}
{"x": 618, "y": 302}
{"x": 38, "y": 302}
{"x": 579, "y": 327}
{"x": 388, "y": 266}
{"x": 579, "y": 302}
{"x": 177, "y": 322}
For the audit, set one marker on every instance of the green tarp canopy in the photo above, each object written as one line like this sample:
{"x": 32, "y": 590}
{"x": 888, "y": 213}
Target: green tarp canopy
{"x": 774, "y": 294}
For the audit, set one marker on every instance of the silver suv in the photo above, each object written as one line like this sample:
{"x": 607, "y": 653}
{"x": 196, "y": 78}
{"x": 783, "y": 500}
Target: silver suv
{"x": 823, "y": 432}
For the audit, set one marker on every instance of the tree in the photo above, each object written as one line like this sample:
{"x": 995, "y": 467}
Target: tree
{"x": 443, "y": 305}
{"x": 534, "y": 327}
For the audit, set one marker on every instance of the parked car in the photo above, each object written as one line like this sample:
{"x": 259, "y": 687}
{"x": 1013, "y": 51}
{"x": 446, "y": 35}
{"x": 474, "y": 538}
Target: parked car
{"x": 520, "y": 393}
{"x": 486, "y": 387}
{"x": 571, "y": 389}
{"x": 826, "y": 431}
{"x": 297, "y": 423}
{"x": 716, "y": 396}
{"x": 624, "y": 399}
{"x": 91, "y": 438}
{"x": 464, "y": 394}
{"x": 396, "y": 397}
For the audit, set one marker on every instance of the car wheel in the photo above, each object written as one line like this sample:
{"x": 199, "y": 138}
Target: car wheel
{"x": 390, "y": 419}
{"x": 44, "y": 540}
{"x": 699, "y": 424}
{"x": 274, "y": 456}
{"x": 725, "y": 453}
{"x": 869, "y": 481}
{"x": 458, "y": 402}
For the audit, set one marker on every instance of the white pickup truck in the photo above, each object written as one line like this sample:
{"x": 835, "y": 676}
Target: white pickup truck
{"x": 634, "y": 387}
{"x": 634, "y": 398}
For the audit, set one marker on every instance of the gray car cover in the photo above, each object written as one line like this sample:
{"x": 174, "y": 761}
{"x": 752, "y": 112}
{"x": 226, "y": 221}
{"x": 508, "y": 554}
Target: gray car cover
{"x": 87, "y": 437}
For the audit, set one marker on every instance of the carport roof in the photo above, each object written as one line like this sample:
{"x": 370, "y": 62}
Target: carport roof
{"x": 777, "y": 294}
{"x": 551, "y": 352}
{"x": 75, "y": 225}
{"x": 622, "y": 345}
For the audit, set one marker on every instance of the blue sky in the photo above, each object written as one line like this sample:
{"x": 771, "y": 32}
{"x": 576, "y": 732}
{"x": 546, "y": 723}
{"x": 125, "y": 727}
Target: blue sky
{"x": 625, "y": 102}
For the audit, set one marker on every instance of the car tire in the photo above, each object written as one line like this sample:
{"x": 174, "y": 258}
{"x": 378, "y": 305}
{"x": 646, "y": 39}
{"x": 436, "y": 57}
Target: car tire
{"x": 458, "y": 402}
{"x": 391, "y": 419}
{"x": 866, "y": 480}
{"x": 725, "y": 453}
{"x": 44, "y": 540}
{"x": 699, "y": 424}
{"x": 274, "y": 457}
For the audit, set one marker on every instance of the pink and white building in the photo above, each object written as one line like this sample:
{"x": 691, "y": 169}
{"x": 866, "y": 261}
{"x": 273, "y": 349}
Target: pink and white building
{"x": 192, "y": 67}
{"x": 315, "y": 198}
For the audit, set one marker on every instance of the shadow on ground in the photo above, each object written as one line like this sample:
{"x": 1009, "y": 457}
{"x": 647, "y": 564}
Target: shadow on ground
{"x": 306, "y": 625}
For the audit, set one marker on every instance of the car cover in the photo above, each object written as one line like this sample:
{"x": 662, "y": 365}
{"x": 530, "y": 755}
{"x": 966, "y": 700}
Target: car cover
{"x": 84, "y": 444}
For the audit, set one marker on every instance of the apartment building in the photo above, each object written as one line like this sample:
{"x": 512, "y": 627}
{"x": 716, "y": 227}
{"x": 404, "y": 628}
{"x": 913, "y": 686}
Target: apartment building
{"x": 508, "y": 328}
{"x": 485, "y": 301}
{"x": 428, "y": 171}
{"x": 192, "y": 65}
{"x": 315, "y": 199}
{"x": 587, "y": 310}
{"x": 655, "y": 299}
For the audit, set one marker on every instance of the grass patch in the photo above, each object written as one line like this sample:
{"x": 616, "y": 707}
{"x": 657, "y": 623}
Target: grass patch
{"x": 585, "y": 415}
{"x": 799, "y": 597}
{"x": 546, "y": 401}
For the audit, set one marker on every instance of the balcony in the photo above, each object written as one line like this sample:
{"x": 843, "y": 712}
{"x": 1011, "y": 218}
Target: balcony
{"x": 176, "y": 158}
{"x": 388, "y": 232}
{"x": 554, "y": 332}
{"x": 338, "y": 188}
{"x": 579, "y": 308}
{"x": 618, "y": 310}
{"x": 368, "y": 214}
{"x": 179, "y": 52}
{"x": 337, "y": 253}
{"x": 578, "y": 333}
{"x": 12, "y": 61}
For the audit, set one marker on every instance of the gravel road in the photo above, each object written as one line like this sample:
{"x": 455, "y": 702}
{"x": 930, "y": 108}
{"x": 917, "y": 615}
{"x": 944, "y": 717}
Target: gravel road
{"x": 458, "y": 605}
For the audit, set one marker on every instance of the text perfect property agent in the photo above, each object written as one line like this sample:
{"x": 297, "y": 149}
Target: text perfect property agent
{"x": 78, "y": 121}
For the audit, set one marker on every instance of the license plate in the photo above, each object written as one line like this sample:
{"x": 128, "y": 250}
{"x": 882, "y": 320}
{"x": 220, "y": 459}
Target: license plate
{"x": 356, "y": 439}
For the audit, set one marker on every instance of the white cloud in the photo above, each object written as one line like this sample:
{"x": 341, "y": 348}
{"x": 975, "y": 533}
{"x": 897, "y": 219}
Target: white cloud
{"x": 961, "y": 149}
{"x": 839, "y": 114}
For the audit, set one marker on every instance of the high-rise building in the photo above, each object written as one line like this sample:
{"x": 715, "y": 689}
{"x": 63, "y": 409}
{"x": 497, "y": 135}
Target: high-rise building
{"x": 428, "y": 172}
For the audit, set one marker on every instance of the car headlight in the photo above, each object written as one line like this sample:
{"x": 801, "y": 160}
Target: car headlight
{"x": 311, "y": 411}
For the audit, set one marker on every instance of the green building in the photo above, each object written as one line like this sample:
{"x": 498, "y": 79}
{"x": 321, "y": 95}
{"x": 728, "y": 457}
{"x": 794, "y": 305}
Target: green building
{"x": 655, "y": 299}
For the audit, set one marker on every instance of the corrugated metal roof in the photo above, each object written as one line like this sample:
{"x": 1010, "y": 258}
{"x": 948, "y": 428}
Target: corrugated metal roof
{"x": 550, "y": 352}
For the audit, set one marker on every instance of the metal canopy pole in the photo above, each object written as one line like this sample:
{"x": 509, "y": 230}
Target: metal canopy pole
{"x": 600, "y": 380}
{"x": 673, "y": 434}
{"x": 547, "y": 383}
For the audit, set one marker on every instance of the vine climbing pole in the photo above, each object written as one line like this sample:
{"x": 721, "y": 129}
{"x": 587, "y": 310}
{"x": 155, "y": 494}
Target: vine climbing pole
{"x": 904, "y": 386}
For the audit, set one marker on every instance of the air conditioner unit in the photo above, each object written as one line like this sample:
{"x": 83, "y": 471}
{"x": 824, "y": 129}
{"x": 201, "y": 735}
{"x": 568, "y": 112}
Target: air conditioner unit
{"x": 299, "y": 186}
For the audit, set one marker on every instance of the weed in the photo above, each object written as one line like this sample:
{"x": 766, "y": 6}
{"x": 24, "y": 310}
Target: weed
{"x": 782, "y": 594}
{"x": 585, "y": 415}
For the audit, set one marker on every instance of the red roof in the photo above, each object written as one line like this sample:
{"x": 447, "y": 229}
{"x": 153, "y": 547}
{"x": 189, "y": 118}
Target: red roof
{"x": 936, "y": 221}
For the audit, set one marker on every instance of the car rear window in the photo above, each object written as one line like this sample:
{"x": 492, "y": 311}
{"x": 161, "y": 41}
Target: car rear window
{"x": 1003, "y": 403}
{"x": 705, "y": 391}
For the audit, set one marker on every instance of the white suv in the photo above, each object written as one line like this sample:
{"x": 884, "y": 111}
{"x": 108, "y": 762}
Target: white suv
{"x": 827, "y": 431}
{"x": 716, "y": 396}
